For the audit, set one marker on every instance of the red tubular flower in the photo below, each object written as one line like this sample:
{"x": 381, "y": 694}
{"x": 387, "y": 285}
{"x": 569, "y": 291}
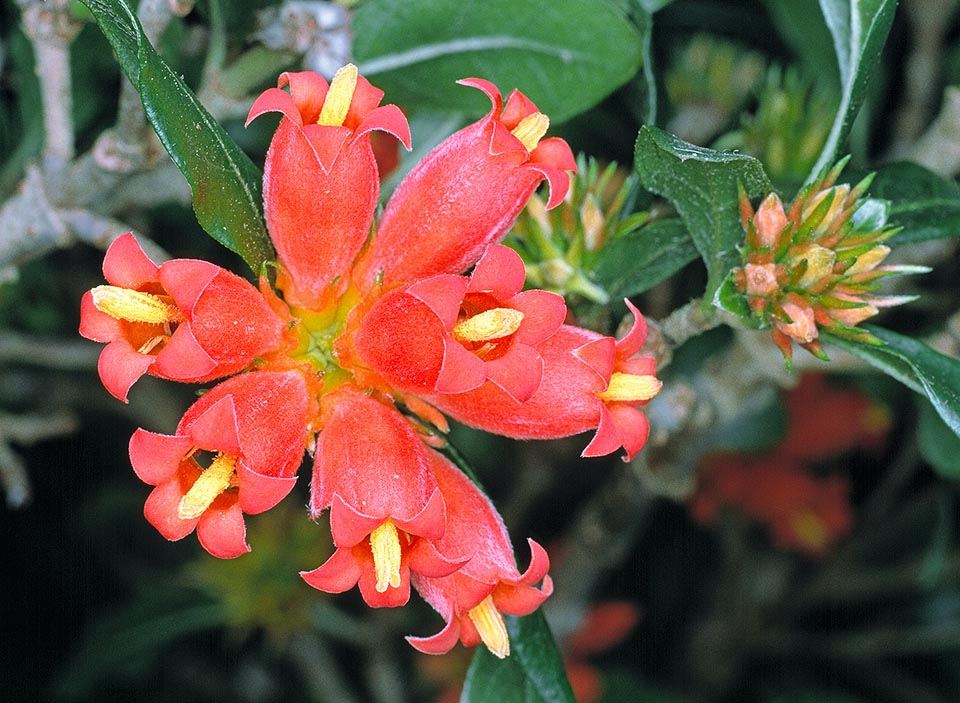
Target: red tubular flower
{"x": 450, "y": 333}
{"x": 256, "y": 423}
{"x": 185, "y": 320}
{"x": 589, "y": 381}
{"x": 467, "y": 192}
{"x": 373, "y": 472}
{"x": 473, "y": 598}
{"x": 320, "y": 184}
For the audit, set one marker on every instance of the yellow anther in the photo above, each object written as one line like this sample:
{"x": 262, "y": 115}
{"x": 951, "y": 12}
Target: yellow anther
{"x": 489, "y": 623}
{"x": 531, "y": 130}
{"x": 385, "y": 545}
{"x": 630, "y": 388}
{"x": 134, "y": 306}
{"x": 336, "y": 105}
{"x": 488, "y": 325}
{"x": 214, "y": 480}
{"x": 810, "y": 529}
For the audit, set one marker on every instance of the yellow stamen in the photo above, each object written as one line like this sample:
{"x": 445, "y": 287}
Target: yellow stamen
{"x": 337, "y": 102}
{"x": 489, "y": 623}
{"x": 630, "y": 388}
{"x": 385, "y": 545}
{"x": 531, "y": 130}
{"x": 490, "y": 324}
{"x": 810, "y": 529}
{"x": 215, "y": 479}
{"x": 134, "y": 306}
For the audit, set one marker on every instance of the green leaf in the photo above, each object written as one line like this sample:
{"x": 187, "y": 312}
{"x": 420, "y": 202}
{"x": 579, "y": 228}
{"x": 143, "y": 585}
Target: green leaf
{"x": 924, "y": 204}
{"x": 939, "y": 446}
{"x": 802, "y": 26}
{"x": 565, "y": 55}
{"x": 914, "y": 364}
{"x": 225, "y": 183}
{"x": 702, "y": 185}
{"x": 533, "y": 673}
{"x": 642, "y": 258}
{"x": 859, "y": 29}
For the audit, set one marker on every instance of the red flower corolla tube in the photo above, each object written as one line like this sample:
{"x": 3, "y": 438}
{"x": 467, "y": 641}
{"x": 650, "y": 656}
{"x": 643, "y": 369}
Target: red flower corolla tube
{"x": 255, "y": 424}
{"x": 373, "y": 472}
{"x": 589, "y": 382}
{"x": 473, "y": 599}
{"x": 450, "y": 333}
{"x": 320, "y": 183}
{"x": 465, "y": 194}
{"x": 185, "y": 320}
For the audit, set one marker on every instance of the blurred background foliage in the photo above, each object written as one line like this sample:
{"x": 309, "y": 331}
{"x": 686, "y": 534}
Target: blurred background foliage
{"x": 783, "y": 538}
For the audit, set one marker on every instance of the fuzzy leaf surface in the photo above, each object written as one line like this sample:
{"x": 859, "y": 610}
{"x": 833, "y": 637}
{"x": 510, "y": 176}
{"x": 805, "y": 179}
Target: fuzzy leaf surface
{"x": 702, "y": 185}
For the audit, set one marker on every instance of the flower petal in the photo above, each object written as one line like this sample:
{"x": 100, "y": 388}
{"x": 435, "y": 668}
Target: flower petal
{"x": 259, "y": 492}
{"x": 156, "y": 458}
{"x": 161, "y": 511}
{"x": 499, "y": 272}
{"x": 125, "y": 265}
{"x": 120, "y": 366}
{"x": 337, "y": 574}
{"x": 221, "y": 529}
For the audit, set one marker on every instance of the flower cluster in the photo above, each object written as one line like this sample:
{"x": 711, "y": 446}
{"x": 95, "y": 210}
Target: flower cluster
{"x": 815, "y": 265}
{"x": 360, "y": 346}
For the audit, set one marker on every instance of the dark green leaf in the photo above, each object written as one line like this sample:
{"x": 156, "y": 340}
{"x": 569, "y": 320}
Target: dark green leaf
{"x": 642, "y": 258}
{"x": 939, "y": 446}
{"x": 225, "y": 183}
{"x": 801, "y": 24}
{"x": 533, "y": 673}
{"x": 702, "y": 185}
{"x": 925, "y": 205}
{"x": 566, "y": 55}
{"x": 859, "y": 29}
{"x": 914, "y": 364}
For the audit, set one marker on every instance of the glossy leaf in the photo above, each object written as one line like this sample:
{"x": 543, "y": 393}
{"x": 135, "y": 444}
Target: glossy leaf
{"x": 702, "y": 185}
{"x": 914, "y": 364}
{"x": 644, "y": 257}
{"x": 225, "y": 183}
{"x": 938, "y": 445}
{"x": 802, "y": 27}
{"x": 533, "y": 673}
{"x": 859, "y": 29}
{"x": 924, "y": 204}
{"x": 566, "y": 55}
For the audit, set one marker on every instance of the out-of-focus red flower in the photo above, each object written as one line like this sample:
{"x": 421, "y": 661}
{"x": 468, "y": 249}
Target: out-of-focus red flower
{"x": 804, "y": 512}
{"x": 824, "y": 420}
